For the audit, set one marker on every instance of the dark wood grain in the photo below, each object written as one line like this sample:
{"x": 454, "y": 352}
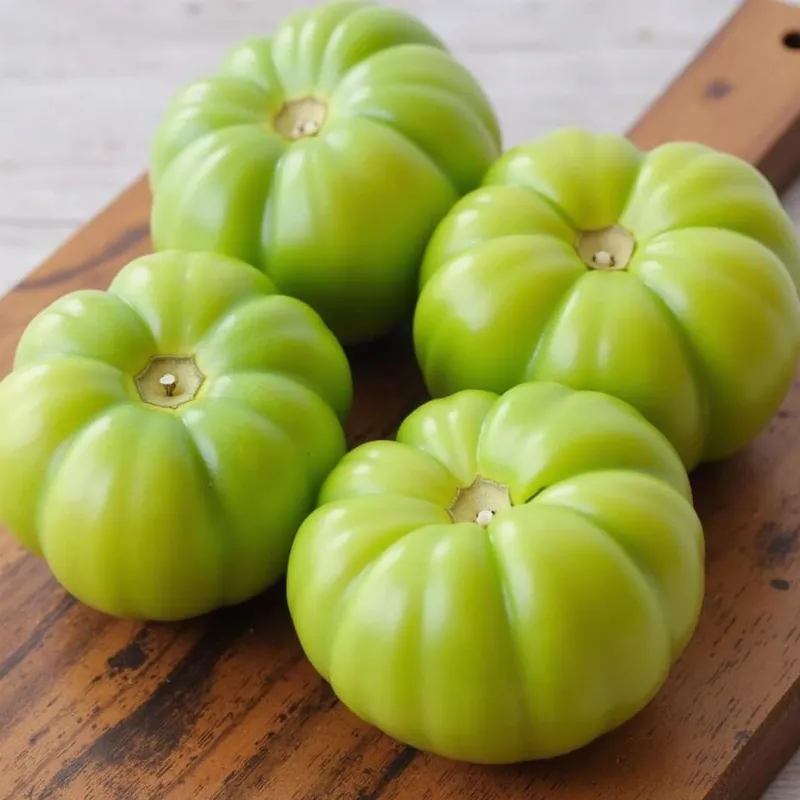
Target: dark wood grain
{"x": 227, "y": 707}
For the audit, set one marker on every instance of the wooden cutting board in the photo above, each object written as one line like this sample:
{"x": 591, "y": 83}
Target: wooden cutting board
{"x": 227, "y": 707}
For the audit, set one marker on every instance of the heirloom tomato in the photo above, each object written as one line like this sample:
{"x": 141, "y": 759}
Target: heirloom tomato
{"x": 160, "y": 442}
{"x": 325, "y": 154}
{"x": 664, "y": 278}
{"x": 508, "y": 580}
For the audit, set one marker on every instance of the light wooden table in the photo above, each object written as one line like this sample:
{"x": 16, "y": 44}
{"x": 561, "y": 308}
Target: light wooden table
{"x": 83, "y": 83}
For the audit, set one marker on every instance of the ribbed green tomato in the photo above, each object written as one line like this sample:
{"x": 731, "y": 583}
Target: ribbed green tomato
{"x": 665, "y": 279}
{"x": 161, "y": 442}
{"x": 325, "y": 155}
{"x": 508, "y": 580}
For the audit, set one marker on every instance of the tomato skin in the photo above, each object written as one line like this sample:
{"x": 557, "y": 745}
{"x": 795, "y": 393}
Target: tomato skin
{"x": 522, "y": 639}
{"x": 700, "y": 329}
{"x": 156, "y": 512}
{"x": 339, "y": 217}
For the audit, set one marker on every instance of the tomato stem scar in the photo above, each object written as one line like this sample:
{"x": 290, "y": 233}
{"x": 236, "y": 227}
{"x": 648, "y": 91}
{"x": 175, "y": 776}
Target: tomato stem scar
{"x": 169, "y": 381}
{"x": 606, "y": 249}
{"x": 485, "y": 516}
{"x": 603, "y": 259}
{"x": 298, "y": 119}
{"x": 480, "y": 501}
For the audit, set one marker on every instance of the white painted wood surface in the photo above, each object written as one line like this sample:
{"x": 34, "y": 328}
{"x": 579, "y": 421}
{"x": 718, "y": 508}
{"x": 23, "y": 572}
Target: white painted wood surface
{"x": 84, "y": 82}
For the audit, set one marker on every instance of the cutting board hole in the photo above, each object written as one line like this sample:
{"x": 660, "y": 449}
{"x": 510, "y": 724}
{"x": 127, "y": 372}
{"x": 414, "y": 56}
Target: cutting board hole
{"x": 792, "y": 40}
{"x": 718, "y": 89}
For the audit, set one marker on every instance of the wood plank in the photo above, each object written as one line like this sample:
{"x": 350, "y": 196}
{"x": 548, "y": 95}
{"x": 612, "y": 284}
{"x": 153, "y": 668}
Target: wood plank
{"x": 734, "y": 101}
{"x": 25, "y": 243}
{"x": 227, "y": 707}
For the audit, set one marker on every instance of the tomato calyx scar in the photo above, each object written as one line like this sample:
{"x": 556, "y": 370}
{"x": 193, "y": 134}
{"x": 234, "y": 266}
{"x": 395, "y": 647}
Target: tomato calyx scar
{"x": 480, "y": 501}
{"x": 606, "y": 249}
{"x": 299, "y": 119}
{"x": 169, "y": 381}
{"x": 485, "y": 516}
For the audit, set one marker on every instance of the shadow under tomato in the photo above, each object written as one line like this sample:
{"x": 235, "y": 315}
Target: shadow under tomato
{"x": 388, "y": 385}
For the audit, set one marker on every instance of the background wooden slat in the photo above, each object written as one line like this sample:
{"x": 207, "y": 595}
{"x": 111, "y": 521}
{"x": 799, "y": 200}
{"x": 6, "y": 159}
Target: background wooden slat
{"x": 82, "y": 83}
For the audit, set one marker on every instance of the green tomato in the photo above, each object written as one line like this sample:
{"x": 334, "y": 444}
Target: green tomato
{"x": 325, "y": 155}
{"x": 509, "y": 579}
{"x": 666, "y": 279}
{"x": 161, "y": 442}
